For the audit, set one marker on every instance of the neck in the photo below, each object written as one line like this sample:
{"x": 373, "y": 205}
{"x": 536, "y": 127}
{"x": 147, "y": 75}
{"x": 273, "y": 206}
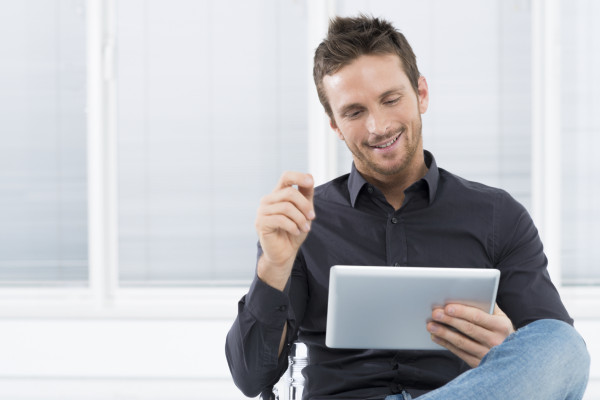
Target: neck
{"x": 393, "y": 186}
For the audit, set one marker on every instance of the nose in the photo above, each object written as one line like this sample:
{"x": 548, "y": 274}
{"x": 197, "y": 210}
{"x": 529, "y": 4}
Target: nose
{"x": 377, "y": 123}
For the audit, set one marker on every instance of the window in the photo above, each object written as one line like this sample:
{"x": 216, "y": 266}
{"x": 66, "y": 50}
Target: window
{"x": 43, "y": 235}
{"x": 579, "y": 141}
{"x": 204, "y": 104}
{"x": 211, "y": 108}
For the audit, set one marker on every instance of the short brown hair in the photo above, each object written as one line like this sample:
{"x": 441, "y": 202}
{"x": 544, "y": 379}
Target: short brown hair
{"x": 351, "y": 37}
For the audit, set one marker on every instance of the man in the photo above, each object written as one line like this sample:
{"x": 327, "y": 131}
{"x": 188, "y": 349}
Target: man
{"x": 398, "y": 208}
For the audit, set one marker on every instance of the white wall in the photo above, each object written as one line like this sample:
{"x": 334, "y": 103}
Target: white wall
{"x": 179, "y": 357}
{"x": 114, "y": 359}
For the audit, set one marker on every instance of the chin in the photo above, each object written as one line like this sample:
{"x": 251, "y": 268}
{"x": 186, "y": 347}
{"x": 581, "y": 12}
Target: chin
{"x": 390, "y": 171}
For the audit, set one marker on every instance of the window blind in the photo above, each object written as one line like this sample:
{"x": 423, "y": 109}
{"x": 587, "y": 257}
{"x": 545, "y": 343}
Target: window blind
{"x": 580, "y": 103}
{"x": 212, "y": 105}
{"x": 43, "y": 234}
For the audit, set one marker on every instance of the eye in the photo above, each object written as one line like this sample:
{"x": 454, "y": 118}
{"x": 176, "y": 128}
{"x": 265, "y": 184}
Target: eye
{"x": 353, "y": 114}
{"x": 392, "y": 101}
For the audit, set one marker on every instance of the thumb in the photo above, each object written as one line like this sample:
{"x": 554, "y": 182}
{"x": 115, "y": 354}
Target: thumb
{"x": 498, "y": 311}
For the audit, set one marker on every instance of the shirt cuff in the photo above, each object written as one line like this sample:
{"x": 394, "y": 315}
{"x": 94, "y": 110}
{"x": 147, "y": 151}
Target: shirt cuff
{"x": 267, "y": 304}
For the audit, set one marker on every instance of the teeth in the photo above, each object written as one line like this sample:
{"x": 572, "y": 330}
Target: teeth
{"x": 388, "y": 144}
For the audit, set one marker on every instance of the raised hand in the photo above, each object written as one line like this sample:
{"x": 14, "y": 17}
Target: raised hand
{"x": 283, "y": 221}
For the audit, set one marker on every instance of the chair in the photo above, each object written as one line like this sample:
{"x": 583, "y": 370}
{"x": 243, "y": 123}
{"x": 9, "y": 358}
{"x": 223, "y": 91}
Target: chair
{"x": 291, "y": 384}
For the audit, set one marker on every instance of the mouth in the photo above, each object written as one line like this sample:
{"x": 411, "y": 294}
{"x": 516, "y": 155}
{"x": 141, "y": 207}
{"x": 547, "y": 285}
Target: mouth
{"x": 388, "y": 142}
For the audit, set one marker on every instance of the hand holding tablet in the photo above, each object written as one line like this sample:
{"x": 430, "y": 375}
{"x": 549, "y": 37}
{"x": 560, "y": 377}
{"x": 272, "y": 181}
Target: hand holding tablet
{"x": 389, "y": 307}
{"x": 469, "y": 332}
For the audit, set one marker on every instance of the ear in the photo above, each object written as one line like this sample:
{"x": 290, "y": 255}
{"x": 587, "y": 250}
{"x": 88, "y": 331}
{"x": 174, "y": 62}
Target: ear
{"x": 335, "y": 128}
{"x": 423, "y": 95}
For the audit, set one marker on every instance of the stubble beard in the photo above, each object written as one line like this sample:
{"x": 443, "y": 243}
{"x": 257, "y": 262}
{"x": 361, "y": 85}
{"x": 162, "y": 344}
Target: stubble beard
{"x": 410, "y": 149}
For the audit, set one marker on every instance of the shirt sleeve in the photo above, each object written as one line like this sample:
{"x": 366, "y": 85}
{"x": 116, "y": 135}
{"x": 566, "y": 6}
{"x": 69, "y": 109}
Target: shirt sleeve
{"x": 252, "y": 344}
{"x": 525, "y": 293}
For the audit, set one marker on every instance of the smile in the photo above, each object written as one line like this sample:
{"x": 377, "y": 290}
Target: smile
{"x": 387, "y": 144}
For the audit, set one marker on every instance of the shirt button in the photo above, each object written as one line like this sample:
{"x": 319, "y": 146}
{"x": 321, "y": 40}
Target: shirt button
{"x": 282, "y": 308}
{"x": 370, "y": 189}
{"x": 394, "y": 220}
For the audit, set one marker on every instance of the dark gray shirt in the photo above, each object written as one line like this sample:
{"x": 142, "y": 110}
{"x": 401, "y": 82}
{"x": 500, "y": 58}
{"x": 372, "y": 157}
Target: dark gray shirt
{"x": 445, "y": 221}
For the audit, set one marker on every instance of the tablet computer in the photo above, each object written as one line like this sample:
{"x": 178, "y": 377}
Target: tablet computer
{"x": 388, "y": 307}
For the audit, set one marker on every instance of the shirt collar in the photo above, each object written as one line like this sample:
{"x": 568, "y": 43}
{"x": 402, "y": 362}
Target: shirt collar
{"x": 356, "y": 180}
{"x": 432, "y": 177}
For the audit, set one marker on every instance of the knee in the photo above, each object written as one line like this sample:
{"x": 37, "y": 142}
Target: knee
{"x": 565, "y": 349}
{"x": 546, "y": 359}
{"x": 575, "y": 351}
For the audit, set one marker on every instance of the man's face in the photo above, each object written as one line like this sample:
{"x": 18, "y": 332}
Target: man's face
{"x": 378, "y": 114}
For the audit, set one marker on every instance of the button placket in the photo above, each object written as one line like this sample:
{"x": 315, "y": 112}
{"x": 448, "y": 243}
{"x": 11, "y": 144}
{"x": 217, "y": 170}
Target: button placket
{"x": 394, "y": 232}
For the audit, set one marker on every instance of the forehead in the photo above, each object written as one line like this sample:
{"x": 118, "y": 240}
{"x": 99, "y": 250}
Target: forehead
{"x": 366, "y": 78}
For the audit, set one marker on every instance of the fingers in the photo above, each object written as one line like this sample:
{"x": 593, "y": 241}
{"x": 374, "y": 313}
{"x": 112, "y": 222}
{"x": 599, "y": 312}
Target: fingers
{"x": 284, "y": 215}
{"x": 290, "y": 178}
{"x": 291, "y": 196}
{"x": 469, "y": 358}
{"x": 467, "y": 331}
{"x": 490, "y": 330}
{"x": 463, "y": 346}
{"x": 282, "y": 222}
{"x": 286, "y": 207}
{"x": 304, "y": 182}
{"x": 279, "y": 222}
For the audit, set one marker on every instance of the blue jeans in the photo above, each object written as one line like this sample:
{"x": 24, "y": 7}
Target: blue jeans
{"x": 545, "y": 360}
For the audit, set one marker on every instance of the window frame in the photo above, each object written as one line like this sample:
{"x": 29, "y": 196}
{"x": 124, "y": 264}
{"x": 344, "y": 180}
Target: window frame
{"x": 103, "y": 296}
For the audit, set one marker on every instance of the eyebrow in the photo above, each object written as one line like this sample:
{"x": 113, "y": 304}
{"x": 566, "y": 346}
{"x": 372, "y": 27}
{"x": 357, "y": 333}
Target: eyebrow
{"x": 344, "y": 109}
{"x": 400, "y": 90}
